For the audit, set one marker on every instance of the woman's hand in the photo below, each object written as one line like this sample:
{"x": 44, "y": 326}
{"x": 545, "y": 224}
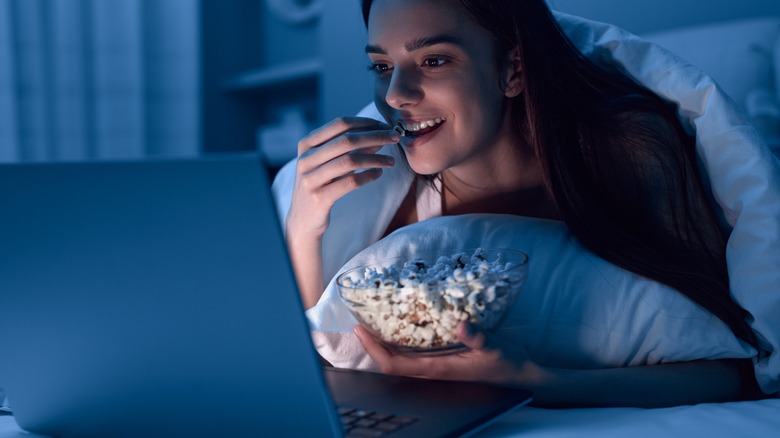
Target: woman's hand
{"x": 329, "y": 159}
{"x": 487, "y": 359}
{"x": 333, "y": 160}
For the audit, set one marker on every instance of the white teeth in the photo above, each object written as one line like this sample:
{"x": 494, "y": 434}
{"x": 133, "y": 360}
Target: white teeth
{"x": 422, "y": 125}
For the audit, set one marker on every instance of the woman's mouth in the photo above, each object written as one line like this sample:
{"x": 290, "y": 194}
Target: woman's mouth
{"x": 418, "y": 129}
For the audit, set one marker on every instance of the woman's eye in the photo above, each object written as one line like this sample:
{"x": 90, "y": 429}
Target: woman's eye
{"x": 435, "y": 62}
{"x": 378, "y": 68}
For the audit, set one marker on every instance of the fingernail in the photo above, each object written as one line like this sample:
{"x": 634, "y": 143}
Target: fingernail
{"x": 395, "y": 136}
{"x": 390, "y": 160}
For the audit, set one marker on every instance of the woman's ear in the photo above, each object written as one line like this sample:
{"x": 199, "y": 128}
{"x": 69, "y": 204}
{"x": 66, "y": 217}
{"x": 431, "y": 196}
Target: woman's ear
{"x": 513, "y": 74}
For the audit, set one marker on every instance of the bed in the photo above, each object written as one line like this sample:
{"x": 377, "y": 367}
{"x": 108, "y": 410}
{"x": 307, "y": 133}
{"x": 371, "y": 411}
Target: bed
{"x": 757, "y": 419}
{"x": 751, "y": 76}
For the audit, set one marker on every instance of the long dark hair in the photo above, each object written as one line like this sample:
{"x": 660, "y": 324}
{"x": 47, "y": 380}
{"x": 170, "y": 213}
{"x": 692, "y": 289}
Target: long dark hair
{"x": 607, "y": 145}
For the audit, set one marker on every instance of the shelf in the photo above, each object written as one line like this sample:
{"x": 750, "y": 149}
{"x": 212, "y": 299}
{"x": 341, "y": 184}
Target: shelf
{"x": 280, "y": 75}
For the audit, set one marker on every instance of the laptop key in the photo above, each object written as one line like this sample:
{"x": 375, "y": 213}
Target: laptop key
{"x": 347, "y": 420}
{"x": 365, "y": 432}
{"x": 361, "y": 413}
{"x": 344, "y": 410}
{"x": 402, "y": 420}
{"x": 365, "y": 422}
{"x": 387, "y": 426}
{"x": 381, "y": 417}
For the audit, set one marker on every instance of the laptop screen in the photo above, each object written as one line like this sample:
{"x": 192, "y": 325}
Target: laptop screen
{"x": 158, "y": 290}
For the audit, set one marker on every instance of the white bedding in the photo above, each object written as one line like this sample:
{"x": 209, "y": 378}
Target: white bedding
{"x": 749, "y": 419}
{"x": 753, "y": 419}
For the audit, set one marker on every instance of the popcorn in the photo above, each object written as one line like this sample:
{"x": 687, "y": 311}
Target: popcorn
{"x": 418, "y": 305}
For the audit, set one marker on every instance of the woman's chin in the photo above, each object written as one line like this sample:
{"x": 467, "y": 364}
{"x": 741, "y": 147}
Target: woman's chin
{"x": 424, "y": 167}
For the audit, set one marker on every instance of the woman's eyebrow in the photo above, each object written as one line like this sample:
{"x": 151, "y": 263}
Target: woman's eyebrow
{"x": 420, "y": 43}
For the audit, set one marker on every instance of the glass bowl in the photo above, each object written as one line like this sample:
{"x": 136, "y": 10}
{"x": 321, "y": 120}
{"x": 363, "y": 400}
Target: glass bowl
{"x": 414, "y": 306}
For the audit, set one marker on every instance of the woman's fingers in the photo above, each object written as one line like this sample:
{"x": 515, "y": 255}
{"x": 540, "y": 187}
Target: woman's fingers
{"x": 373, "y": 348}
{"x": 388, "y": 361}
{"x": 346, "y": 165}
{"x": 333, "y": 161}
{"x": 337, "y": 127}
{"x": 364, "y": 142}
{"x": 331, "y": 157}
{"x": 478, "y": 362}
{"x": 470, "y": 336}
{"x": 347, "y": 183}
{"x": 332, "y": 169}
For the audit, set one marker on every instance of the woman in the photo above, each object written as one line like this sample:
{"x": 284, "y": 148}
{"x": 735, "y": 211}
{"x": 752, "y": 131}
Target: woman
{"x": 498, "y": 113}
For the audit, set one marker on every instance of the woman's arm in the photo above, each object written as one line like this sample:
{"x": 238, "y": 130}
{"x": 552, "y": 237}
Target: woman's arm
{"x": 306, "y": 257}
{"x": 491, "y": 360}
{"x": 332, "y": 161}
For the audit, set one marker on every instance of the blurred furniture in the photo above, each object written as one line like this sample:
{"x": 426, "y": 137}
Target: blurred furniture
{"x": 265, "y": 76}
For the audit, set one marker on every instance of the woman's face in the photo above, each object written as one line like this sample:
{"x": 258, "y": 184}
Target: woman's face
{"x": 437, "y": 76}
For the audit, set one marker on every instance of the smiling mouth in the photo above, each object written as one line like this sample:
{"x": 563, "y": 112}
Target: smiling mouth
{"x": 417, "y": 129}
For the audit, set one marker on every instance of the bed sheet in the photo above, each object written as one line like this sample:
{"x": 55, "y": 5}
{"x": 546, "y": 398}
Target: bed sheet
{"x": 756, "y": 419}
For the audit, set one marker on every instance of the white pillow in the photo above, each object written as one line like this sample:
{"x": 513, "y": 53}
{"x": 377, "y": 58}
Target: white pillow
{"x": 575, "y": 310}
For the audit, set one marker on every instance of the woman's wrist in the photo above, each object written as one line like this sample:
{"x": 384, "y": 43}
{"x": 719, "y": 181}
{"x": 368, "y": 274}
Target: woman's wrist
{"x": 534, "y": 377}
{"x": 306, "y": 256}
{"x": 298, "y": 230}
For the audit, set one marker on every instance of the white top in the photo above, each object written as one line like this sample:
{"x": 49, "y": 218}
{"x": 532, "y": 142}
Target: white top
{"x": 429, "y": 199}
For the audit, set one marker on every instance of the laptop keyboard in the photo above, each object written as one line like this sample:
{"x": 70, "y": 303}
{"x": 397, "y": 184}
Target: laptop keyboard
{"x": 360, "y": 423}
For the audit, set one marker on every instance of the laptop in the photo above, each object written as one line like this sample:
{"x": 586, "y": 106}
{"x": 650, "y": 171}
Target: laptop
{"x": 156, "y": 298}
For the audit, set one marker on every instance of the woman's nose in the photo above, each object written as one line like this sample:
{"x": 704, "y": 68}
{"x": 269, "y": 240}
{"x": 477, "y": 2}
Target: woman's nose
{"x": 404, "y": 89}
